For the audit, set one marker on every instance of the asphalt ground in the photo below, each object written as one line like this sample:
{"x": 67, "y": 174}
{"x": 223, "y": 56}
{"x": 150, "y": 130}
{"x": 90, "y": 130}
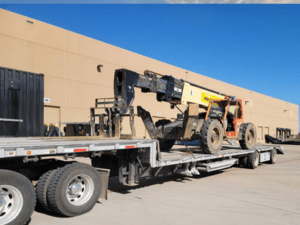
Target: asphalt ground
{"x": 269, "y": 194}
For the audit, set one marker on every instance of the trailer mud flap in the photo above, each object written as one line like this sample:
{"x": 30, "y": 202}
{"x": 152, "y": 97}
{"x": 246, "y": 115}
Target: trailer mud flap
{"x": 264, "y": 157}
{"x": 104, "y": 178}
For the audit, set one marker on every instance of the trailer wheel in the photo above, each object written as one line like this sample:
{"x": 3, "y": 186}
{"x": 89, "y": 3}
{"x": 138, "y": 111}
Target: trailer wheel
{"x": 164, "y": 144}
{"x": 273, "y": 156}
{"x": 17, "y": 198}
{"x": 248, "y": 136}
{"x": 74, "y": 189}
{"x": 253, "y": 160}
{"x": 244, "y": 161}
{"x": 211, "y": 136}
{"x": 42, "y": 187}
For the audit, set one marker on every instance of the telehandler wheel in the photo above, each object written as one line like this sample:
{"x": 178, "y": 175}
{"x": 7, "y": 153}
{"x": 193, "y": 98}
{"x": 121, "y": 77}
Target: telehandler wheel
{"x": 253, "y": 160}
{"x": 211, "y": 136}
{"x": 164, "y": 144}
{"x": 17, "y": 198}
{"x": 42, "y": 187}
{"x": 74, "y": 189}
{"x": 248, "y": 132}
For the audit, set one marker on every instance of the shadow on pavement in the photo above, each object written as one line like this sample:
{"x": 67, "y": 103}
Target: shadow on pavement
{"x": 115, "y": 186}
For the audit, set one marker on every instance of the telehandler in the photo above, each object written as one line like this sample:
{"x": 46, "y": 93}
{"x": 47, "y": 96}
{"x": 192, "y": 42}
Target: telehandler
{"x": 221, "y": 121}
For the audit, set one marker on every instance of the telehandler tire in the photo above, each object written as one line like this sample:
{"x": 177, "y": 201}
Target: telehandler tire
{"x": 164, "y": 144}
{"x": 211, "y": 136}
{"x": 249, "y": 136}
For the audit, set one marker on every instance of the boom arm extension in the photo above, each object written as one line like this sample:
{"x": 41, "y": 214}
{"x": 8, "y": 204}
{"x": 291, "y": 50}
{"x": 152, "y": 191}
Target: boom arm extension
{"x": 167, "y": 88}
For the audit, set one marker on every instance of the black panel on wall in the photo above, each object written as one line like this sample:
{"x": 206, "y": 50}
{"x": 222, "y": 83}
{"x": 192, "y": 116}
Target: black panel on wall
{"x": 21, "y": 97}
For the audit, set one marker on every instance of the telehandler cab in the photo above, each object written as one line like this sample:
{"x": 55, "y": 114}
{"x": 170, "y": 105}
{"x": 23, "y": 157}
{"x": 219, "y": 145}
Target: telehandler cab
{"x": 222, "y": 119}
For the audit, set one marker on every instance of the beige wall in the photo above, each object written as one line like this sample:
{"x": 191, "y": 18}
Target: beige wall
{"x": 69, "y": 60}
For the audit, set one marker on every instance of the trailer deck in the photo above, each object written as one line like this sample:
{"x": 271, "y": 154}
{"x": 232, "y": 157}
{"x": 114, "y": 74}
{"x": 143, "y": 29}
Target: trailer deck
{"x": 26, "y": 147}
{"x": 17, "y": 147}
{"x": 183, "y": 155}
{"x": 23, "y": 160}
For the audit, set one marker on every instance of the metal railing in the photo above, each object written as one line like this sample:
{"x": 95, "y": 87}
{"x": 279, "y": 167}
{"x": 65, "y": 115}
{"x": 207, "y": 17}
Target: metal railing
{"x": 11, "y": 120}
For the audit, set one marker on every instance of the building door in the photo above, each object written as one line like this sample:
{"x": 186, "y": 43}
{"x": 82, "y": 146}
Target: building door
{"x": 260, "y": 134}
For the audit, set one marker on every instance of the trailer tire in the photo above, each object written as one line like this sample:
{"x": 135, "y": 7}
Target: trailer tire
{"x": 253, "y": 160}
{"x": 249, "y": 136}
{"x": 164, "y": 144}
{"x": 273, "y": 156}
{"x": 19, "y": 198}
{"x": 244, "y": 161}
{"x": 42, "y": 188}
{"x": 74, "y": 189}
{"x": 211, "y": 136}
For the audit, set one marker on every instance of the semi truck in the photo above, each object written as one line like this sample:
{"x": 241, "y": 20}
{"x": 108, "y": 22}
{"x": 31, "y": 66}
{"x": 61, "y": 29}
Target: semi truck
{"x": 45, "y": 170}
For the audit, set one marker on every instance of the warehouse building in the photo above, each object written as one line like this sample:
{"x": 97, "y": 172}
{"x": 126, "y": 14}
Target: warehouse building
{"x": 69, "y": 62}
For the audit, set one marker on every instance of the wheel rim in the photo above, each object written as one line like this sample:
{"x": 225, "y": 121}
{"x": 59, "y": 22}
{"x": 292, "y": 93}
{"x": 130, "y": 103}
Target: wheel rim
{"x": 11, "y": 203}
{"x": 256, "y": 159}
{"x": 80, "y": 189}
{"x": 250, "y": 136}
{"x": 215, "y": 136}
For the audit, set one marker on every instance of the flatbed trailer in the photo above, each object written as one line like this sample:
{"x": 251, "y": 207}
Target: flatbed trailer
{"x": 40, "y": 168}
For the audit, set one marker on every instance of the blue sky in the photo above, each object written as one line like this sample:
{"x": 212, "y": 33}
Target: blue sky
{"x": 252, "y": 46}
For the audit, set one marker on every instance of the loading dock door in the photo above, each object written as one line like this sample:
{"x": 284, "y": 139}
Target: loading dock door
{"x": 260, "y": 134}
